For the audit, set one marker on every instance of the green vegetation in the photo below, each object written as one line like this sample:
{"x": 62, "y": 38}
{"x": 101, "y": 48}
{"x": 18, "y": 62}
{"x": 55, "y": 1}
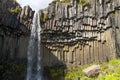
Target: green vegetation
{"x": 17, "y": 71}
{"x": 112, "y": 14}
{"x": 74, "y": 73}
{"x": 80, "y": 3}
{"x": 17, "y": 9}
{"x": 54, "y": 73}
{"x": 44, "y": 17}
{"x": 83, "y": 3}
{"x": 109, "y": 71}
{"x": 62, "y": 1}
{"x": 65, "y": 1}
{"x": 12, "y": 70}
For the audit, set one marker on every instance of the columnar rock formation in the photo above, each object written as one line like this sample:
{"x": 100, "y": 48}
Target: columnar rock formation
{"x": 80, "y": 32}
{"x": 15, "y": 26}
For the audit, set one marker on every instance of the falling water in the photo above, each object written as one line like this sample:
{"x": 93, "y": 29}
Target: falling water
{"x": 30, "y": 52}
{"x": 38, "y": 56}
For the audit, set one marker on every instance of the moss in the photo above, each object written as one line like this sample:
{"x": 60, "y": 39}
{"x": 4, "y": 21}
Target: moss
{"x": 112, "y": 14}
{"x": 80, "y": 3}
{"x": 44, "y": 17}
{"x": 65, "y": 1}
{"x": 17, "y": 9}
{"x": 62, "y": 1}
{"x": 83, "y": 3}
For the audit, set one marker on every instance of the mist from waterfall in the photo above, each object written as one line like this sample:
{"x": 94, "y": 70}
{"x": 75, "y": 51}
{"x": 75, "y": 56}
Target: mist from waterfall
{"x": 35, "y": 32}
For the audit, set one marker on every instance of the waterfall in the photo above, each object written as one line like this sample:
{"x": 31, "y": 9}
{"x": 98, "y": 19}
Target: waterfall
{"x": 30, "y": 53}
{"x": 31, "y": 50}
{"x": 38, "y": 56}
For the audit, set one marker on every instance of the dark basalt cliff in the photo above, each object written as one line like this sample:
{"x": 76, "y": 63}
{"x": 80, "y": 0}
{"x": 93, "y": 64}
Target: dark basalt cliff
{"x": 80, "y": 32}
{"x": 15, "y": 26}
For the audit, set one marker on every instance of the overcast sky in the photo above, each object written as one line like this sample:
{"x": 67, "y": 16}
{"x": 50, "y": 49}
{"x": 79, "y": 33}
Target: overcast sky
{"x": 35, "y": 4}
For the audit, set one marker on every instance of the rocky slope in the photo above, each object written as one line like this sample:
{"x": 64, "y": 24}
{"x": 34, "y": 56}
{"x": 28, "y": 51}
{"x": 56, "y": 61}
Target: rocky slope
{"x": 80, "y": 32}
{"x": 15, "y": 25}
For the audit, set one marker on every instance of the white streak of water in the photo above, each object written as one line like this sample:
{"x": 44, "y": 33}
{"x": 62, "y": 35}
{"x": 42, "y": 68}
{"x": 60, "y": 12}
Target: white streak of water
{"x": 39, "y": 77}
{"x": 30, "y": 53}
{"x": 31, "y": 50}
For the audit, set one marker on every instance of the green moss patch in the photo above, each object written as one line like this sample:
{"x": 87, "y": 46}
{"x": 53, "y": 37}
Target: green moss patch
{"x": 83, "y": 3}
{"x": 16, "y": 10}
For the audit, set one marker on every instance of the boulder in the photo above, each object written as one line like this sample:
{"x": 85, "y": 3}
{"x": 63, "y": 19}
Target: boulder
{"x": 92, "y": 71}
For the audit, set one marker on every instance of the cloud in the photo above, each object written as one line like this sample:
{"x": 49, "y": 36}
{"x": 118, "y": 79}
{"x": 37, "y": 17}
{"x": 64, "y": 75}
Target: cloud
{"x": 35, "y": 4}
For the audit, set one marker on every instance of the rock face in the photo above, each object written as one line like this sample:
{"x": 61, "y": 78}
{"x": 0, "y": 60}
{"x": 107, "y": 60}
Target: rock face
{"x": 80, "y": 32}
{"x": 15, "y": 25}
{"x": 92, "y": 71}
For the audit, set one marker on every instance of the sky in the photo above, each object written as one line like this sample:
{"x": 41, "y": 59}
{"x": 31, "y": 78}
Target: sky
{"x": 35, "y": 4}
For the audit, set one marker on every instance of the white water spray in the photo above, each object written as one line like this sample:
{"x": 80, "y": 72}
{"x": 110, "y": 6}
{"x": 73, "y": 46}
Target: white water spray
{"x": 39, "y": 55}
{"x": 30, "y": 52}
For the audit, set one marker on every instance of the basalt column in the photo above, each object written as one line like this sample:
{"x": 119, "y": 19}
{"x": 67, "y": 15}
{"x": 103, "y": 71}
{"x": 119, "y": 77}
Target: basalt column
{"x": 15, "y": 26}
{"x": 80, "y": 32}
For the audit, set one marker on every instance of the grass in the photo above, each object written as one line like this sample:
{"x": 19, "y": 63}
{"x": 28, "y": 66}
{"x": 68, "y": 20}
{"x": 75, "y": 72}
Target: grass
{"x": 109, "y": 71}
